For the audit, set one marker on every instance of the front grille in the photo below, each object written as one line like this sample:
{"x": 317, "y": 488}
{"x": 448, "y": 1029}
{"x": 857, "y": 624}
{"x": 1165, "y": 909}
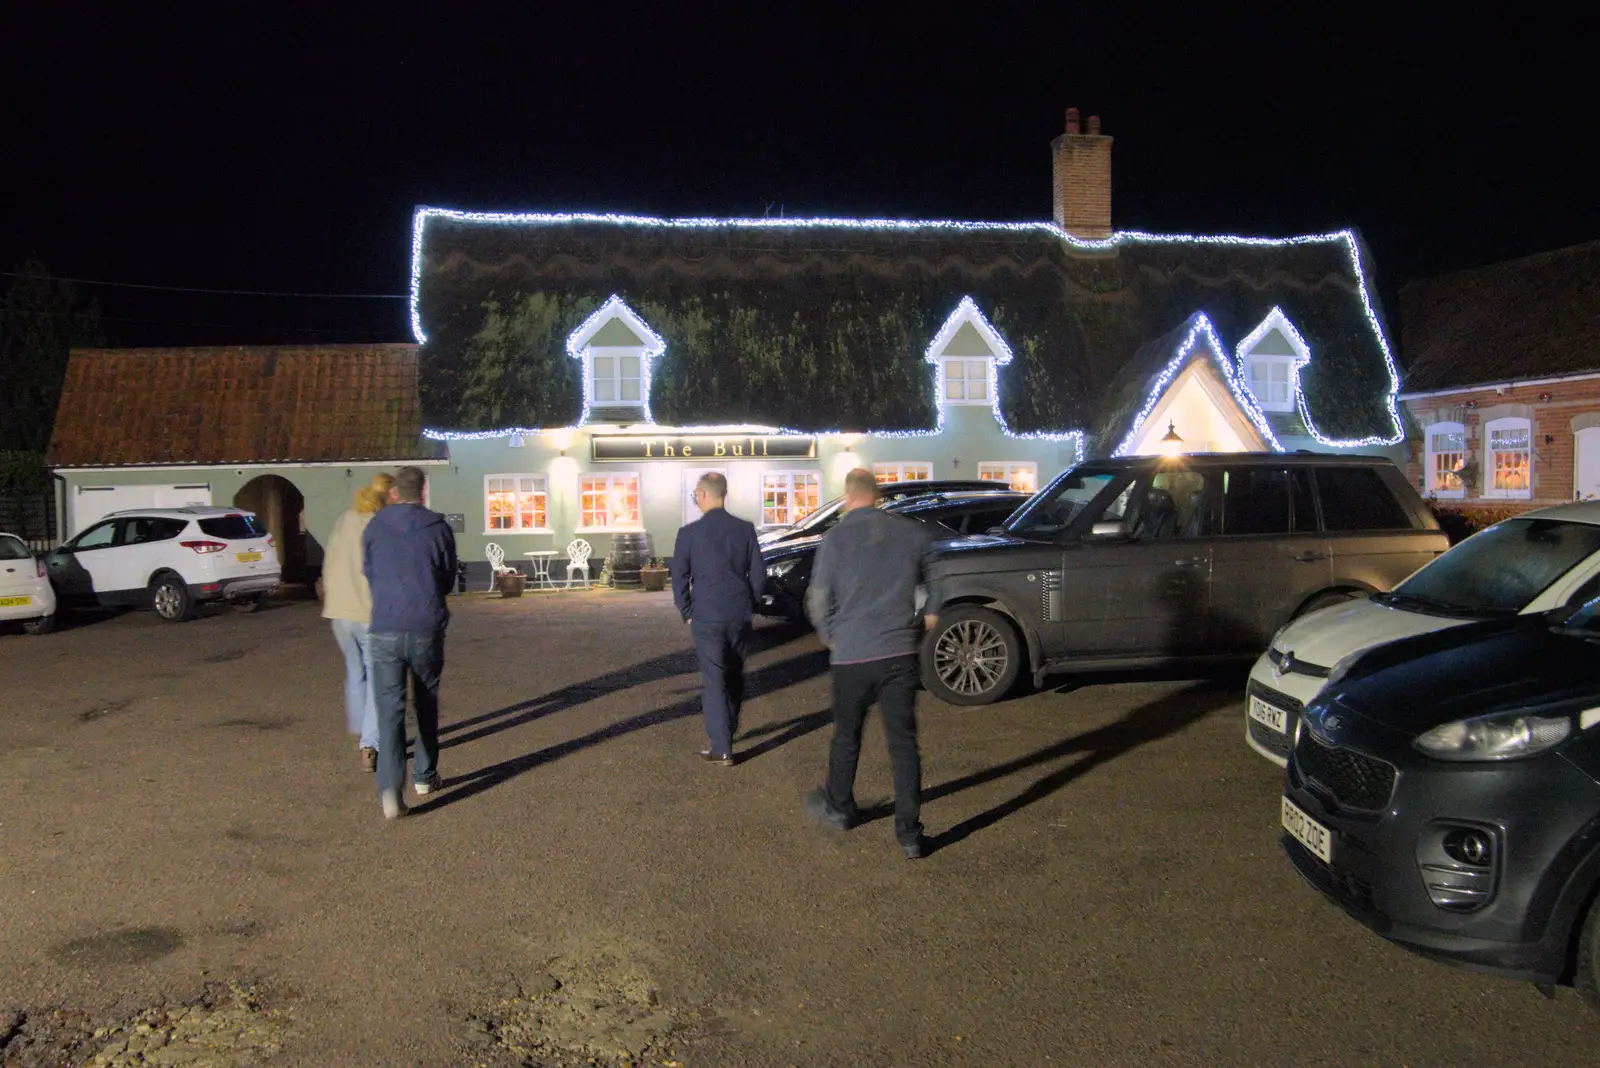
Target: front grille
{"x": 1286, "y": 664}
{"x": 1270, "y": 740}
{"x": 1351, "y": 779}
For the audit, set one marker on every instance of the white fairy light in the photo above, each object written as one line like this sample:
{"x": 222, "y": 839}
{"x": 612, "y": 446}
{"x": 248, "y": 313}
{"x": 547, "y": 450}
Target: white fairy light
{"x": 578, "y": 345}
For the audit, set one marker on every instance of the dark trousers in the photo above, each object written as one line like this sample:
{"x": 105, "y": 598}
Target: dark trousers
{"x": 893, "y": 684}
{"x": 417, "y": 656}
{"x": 720, "y": 647}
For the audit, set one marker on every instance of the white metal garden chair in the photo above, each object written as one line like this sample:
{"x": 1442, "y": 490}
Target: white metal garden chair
{"x": 578, "y": 552}
{"x": 497, "y": 563}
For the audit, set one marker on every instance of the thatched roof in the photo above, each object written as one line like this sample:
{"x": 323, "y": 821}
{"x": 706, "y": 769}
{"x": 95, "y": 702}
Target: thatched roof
{"x": 819, "y": 327}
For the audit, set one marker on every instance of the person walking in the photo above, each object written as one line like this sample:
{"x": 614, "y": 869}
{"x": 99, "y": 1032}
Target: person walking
{"x": 717, "y": 575}
{"x": 409, "y": 560}
{"x": 863, "y": 602}
{"x": 347, "y": 605}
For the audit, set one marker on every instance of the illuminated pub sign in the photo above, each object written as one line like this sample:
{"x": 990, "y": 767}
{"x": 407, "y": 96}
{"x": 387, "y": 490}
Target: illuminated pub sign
{"x": 615, "y": 447}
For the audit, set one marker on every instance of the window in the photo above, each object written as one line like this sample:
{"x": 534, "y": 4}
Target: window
{"x": 615, "y": 376}
{"x": 515, "y": 504}
{"x": 236, "y": 527}
{"x": 914, "y": 471}
{"x": 13, "y": 548}
{"x": 1272, "y": 382}
{"x": 1446, "y": 456}
{"x": 1508, "y": 445}
{"x": 143, "y": 529}
{"x": 966, "y": 381}
{"x": 1500, "y": 570}
{"x": 1356, "y": 498}
{"x": 96, "y": 537}
{"x": 608, "y": 502}
{"x": 1020, "y": 475}
{"x": 1049, "y": 515}
{"x": 787, "y": 497}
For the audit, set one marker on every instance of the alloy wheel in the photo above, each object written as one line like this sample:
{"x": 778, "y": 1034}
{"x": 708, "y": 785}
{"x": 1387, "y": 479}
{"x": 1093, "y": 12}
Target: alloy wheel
{"x": 970, "y": 657}
{"x": 168, "y": 601}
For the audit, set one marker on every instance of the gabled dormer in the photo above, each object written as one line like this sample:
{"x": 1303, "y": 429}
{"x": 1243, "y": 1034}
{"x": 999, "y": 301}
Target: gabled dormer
{"x": 1270, "y": 358}
{"x": 616, "y": 347}
{"x": 967, "y": 349}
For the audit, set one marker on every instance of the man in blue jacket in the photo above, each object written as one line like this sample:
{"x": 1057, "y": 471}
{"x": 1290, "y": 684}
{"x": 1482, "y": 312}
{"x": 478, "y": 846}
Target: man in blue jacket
{"x": 717, "y": 575}
{"x": 409, "y": 558}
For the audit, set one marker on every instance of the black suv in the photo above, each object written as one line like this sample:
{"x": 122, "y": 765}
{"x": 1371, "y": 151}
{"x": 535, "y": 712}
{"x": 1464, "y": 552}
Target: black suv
{"x": 1145, "y": 561}
{"x": 822, "y": 520}
{"x": 789, "y": 563}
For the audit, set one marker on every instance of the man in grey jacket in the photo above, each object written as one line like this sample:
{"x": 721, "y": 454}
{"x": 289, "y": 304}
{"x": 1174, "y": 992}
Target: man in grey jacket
{"x": 863, "y": 603}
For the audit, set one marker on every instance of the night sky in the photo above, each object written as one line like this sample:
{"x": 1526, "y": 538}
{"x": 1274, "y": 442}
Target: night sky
{"x": 284, "y": 149}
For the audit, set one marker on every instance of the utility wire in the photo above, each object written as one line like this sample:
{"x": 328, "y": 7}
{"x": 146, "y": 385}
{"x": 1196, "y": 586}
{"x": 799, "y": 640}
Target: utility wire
{"x": 195, "y": 289}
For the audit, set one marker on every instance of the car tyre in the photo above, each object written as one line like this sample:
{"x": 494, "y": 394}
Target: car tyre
{"x": 42, "y": 625}
{"x": 972, "y": 656}
{"x": 169, "y": 596}
{"x": 246, "y": 605}
{"x": 1586, "y": 972}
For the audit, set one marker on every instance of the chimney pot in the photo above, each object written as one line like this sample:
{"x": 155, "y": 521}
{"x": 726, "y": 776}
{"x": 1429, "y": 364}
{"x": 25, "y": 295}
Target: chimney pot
{"x": 1094, "y": 125}
{"x": 1072, "y": 120}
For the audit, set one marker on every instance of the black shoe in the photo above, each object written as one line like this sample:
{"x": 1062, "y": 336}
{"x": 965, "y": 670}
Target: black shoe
{"x": 723, "y": 760}
{"x": 818, "y": 807}
{"x": 912, "y": 850}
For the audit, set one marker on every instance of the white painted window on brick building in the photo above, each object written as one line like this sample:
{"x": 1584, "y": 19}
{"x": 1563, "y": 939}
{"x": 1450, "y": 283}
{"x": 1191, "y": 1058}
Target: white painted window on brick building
{"x": 1446, "y": 456}
{"x": 515, "y": 504}
{"x": 787, "y": 497}
{"x": 1508, "y": 458}
{"x": 1020, "y": 475}
{"x": 908, "y": 471}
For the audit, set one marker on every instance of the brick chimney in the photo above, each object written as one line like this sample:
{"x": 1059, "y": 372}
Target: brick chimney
{"x": 1082, "y": 172}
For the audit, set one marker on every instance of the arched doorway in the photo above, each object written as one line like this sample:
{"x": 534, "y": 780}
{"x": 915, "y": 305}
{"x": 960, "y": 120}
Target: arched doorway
{"x": 281, "y": 507}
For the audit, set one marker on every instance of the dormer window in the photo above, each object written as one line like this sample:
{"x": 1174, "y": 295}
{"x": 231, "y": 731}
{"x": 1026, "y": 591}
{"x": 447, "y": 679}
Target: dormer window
{"x": 616, "y": 347}
{"x": 967, "y": 350}
{"x": 966, "y": 381}
{"x": 1270, "y": 360}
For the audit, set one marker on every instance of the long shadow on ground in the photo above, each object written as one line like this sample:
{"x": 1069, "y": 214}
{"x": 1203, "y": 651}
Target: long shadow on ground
{"x": 766, "y": 680}
{"x": 1147, "y": 723}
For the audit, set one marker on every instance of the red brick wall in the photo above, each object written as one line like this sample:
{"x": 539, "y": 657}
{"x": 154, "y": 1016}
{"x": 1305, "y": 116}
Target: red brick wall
{"x": 1553, "y": 462}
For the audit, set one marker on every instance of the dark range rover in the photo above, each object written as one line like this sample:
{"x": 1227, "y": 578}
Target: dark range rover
{"x": 1146, "y": 561}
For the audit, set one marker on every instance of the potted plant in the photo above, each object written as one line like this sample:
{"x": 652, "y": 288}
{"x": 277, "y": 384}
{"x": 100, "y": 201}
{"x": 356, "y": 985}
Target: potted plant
{"x": 510, "y": 583}
{"x": 653, "y": 575}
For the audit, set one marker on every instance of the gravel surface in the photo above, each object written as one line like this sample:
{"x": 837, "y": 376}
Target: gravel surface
{"x": 196, "y": 871}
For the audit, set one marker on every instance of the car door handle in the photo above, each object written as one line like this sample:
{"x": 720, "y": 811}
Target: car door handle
{"x": 1310, "y": 557}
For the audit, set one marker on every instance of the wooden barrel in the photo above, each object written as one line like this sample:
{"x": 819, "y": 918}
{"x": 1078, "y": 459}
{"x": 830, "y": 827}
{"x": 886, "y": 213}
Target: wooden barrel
{"x": 629, "y": 553}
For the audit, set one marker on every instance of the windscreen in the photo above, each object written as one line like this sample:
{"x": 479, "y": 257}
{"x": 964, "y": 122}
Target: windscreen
{"x": 234, "y": 527}
{"x": 1501, "y": 570}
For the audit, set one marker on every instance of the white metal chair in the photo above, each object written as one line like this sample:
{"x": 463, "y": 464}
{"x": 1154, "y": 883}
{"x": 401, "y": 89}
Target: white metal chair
{"x": 497, "y": 563}
{"x": 578, "y": 552}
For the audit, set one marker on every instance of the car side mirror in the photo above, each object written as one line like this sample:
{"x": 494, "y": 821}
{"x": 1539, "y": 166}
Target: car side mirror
{"x": 1114, "y": 529}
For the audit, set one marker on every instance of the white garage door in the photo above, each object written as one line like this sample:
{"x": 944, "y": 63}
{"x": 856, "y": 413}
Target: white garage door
{"x": 90, "y": 503}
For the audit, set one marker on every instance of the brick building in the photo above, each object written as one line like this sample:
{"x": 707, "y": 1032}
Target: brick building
{"x": 1502, "y": 386}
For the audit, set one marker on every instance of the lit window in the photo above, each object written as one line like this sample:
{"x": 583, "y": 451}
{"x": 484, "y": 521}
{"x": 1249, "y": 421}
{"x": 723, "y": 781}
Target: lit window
{"x": 966, "y": 381}
{"x": 1509, "y": 470}
{"x": 1446, "y": 456}
{"x": 609, "y": 502}
{"x": 615, "y": 376}
{"x": 1272, "y": 382}
{"x": 515, "y": 504}
{"x": 915, "y": 471}
{"x": 1022, "y": 476}
{"x": 788, "y": 496}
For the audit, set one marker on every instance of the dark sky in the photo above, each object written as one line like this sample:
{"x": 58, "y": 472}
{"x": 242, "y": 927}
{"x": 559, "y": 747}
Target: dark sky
{"x": 285, "y": 148}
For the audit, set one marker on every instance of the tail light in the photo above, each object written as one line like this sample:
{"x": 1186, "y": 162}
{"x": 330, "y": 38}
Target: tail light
{"x": 270, "y": 542}
{"x": 38, "y": 565}
{"x": 204, "y": 546}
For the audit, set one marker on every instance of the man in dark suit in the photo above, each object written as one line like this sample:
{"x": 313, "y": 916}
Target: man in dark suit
{"x": 717, "y": 575}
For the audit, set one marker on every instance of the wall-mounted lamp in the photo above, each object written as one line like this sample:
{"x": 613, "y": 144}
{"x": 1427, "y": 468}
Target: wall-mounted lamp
{"x": 1545, "y": 397}
{"x": 1548, "y": 440}
{"x": 1472, "y": 404}
{"x": 1171, "y": 443}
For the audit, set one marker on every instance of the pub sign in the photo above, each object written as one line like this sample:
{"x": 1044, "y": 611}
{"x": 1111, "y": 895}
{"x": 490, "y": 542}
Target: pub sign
{"x": 615, "y": 448}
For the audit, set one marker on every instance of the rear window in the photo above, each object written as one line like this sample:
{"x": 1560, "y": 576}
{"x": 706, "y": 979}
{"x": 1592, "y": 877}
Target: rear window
{"x": 1502, "y": 569}
{"x": 12, "y": 548}
{"x": 1357, "y": 498}
{"x": 234, "y": 527}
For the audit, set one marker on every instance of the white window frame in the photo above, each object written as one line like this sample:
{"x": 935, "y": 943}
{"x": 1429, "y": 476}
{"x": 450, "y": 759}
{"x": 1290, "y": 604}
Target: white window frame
{"x": 897, "y": 471}
{"x": 1259, "y": 367}
{"x": 1006, "y": 470}
{"x": 790, "y": 519}
{"x": 611, "y": 478}
{"x": 541, "y": 488}
{"x": 966, "y": 370}
{"x": 616, "y": 380}
{"x": 1511, "y": 422}
{"x": 1430, "y": 468}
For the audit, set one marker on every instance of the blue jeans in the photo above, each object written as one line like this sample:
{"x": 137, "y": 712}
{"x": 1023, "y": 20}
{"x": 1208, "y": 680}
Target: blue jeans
{"x": 360, "y": 711}
{"x": 418, "y": 656}
{"x": 720, "y": 647}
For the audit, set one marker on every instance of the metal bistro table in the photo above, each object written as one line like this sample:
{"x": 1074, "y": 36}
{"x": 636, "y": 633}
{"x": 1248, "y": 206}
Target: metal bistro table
{"x": 540, "y": 559}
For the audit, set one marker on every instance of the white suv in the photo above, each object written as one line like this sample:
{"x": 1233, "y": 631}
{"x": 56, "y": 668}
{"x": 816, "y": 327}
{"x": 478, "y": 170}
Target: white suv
{"x": 169, "y": 559}
{"x": 1533, "y": 563}
{"x": 25, "y": 593}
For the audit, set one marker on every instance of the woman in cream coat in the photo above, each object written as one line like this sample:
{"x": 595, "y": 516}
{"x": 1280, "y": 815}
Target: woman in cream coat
{"x": 347, "y": 603}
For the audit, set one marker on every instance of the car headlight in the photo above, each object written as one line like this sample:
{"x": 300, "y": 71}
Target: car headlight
{"x": 1501, "y": 736}
{"x": 782, "y": 567}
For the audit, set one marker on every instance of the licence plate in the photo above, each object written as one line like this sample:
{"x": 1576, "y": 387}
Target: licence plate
{"x": 250, "y": 558}
{"x": 1307, "y": 831}
{"x": 15, "y": 602}
{"x": 1269, "y": 715}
